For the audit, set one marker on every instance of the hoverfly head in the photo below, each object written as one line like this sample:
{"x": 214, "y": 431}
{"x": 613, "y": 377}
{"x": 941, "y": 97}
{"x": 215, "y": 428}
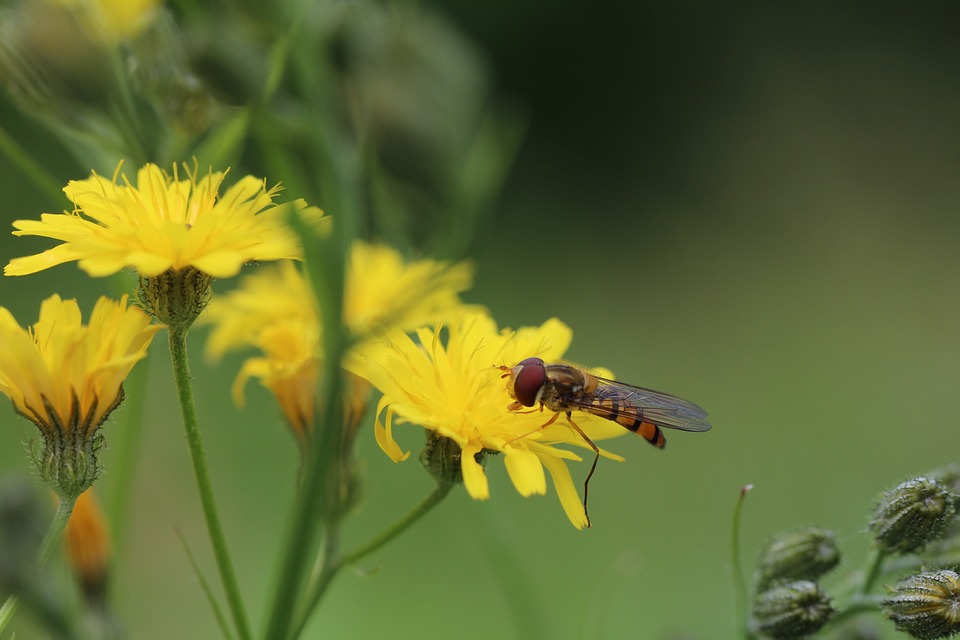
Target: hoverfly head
{"x": 526, "y": 382}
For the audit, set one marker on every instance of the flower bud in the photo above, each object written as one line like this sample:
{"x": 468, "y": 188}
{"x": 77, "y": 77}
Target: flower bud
{"x": 792, "y": 610}
{"x": 441, "y": 457}
{"x": 806, "y": 554}
{"x": 912, "y": 514}
{"x": 926, "y": 605}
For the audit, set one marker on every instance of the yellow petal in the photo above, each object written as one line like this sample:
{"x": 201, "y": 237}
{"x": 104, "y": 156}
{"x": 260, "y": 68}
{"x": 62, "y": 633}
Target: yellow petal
{"x": 384, "y": 434}
{"x": 525, "y": 471}
{"x": 569, "y": 498}
{"x": 474, "y": 479}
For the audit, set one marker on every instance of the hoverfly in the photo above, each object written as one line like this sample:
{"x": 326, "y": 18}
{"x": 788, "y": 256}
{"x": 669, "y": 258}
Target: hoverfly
{"x": 563, "y": 388}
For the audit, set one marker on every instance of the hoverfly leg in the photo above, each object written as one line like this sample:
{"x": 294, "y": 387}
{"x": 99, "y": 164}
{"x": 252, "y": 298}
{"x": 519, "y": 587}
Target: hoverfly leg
{"x": 540, "y": 428}
{"x": 593, "y": 467}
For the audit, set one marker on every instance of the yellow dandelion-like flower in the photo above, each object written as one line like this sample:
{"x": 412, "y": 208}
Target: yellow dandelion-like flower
{"x": 455, "y": 390}
{"x": 275, "y": 312}
{"x": 66, "y": 377}
{"x": 164, "y": 223}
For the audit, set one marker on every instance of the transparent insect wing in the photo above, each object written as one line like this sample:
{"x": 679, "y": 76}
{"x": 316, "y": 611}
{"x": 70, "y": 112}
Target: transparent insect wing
{"x": 658, "y": 408}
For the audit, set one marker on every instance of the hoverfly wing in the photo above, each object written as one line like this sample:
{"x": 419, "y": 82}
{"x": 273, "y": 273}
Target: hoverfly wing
{"x": 642, "y": 411}
{"x": 660, "y": 408}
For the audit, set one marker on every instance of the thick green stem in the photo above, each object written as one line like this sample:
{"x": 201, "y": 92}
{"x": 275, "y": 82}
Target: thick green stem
{"x": 317, "y": 500}
{"x": 181, "y": 373}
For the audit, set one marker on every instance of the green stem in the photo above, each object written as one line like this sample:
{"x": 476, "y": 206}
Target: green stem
{"x": 332, "y": 564}
{"x": 181, "y": 373}
{"x": 860, "y": 604}
{"x": 124, "y": 447}
{"x": 50, "y": 541}
{"x": 318, "y": 499}
{"x": 873, "y": 571}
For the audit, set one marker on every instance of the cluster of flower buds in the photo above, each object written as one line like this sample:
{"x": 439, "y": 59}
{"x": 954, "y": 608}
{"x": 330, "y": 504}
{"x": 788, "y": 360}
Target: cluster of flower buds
{"x": 913, "y": 517}
{"x": 789, "y": 602}
{"x": 916, "y": 519}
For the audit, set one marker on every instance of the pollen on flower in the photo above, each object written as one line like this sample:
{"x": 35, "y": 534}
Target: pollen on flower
{"x": 453, "y": 388}
{"x": 162, "y": 222}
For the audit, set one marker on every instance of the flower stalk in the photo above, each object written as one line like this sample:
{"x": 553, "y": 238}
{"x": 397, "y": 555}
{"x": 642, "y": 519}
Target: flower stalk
{"x": 333, "y": 563}
{"x": 181, "y": 372}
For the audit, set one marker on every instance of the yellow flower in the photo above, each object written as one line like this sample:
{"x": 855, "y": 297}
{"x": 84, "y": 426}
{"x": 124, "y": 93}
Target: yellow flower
{"x": 275, "y": 312}
{"x": 66, "y": 377}
{"x": 384, "y": 291}
{"x": 162, "y": 223}
{"x": 456, "y": 390}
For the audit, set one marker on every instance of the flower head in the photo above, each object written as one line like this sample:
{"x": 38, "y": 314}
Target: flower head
{"x": 163, "y": 223}
{"x": 453, "y": 387}
{"x": 275, "y": 312}
{"x": 66, "y": 377}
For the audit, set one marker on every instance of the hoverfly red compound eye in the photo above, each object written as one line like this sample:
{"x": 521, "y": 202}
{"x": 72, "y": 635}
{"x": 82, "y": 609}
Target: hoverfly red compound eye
{"x": 530, "y": 378}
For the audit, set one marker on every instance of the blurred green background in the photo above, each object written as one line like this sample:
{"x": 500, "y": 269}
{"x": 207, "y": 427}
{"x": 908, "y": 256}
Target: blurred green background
{"x": 754, "y": 208}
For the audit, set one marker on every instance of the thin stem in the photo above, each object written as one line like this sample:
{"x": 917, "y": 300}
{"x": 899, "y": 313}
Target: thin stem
{"x": 33, "y": 170}
{"x": 740, "y": 582}
{"x": 401, "y": 525}
{"x": 50, "y": 541}
{"x": 332, "y": 564}
{"x": 860, "y": 604}
{"x": 124, "y": 447}
{"x": 181, "y": 373}
{"x": 873, "y": 571}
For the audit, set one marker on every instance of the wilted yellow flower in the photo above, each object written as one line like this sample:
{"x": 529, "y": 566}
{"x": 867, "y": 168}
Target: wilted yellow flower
{"x": 164, "y": 223}
{"x": 113, "y": 19}
{"x": 87, "y": 543}
{"x": 66, "y": 377}
{"x": 456, "y": 390}
{"x": 274, "y": 311}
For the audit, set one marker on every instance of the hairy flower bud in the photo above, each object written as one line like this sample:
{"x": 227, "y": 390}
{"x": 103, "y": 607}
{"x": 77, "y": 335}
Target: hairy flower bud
{"x": 792, "y": 610}
{"x": 912, "y": 514}
{"x": 806, "y": 554}
{"x": 926, "y": 605}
